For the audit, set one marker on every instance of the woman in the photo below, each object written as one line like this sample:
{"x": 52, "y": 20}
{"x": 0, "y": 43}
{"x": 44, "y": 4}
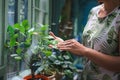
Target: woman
{"x": 100, "y": 42}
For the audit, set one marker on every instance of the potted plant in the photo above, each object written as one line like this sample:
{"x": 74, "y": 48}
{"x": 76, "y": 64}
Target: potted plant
{"x": 19, "y": 42}
{"x": 55, "y": 63}
{"x": 58, "y": 64}
{"x": 44, "y": 61}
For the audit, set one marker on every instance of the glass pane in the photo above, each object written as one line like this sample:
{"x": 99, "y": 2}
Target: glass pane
{"x": 14, "y": 11}
{"x": 45, "y": 18}
{"x": 11, "y": 19}
{"x": 26, "y": 9}
{"x": 23, "y": 9}
{"x": 11, "y": 11}
{"x": 37, "y": 3}
{"x": 36, "y": 16}
{"x": 40, "y": 13}
{"x": 43, "y": 4}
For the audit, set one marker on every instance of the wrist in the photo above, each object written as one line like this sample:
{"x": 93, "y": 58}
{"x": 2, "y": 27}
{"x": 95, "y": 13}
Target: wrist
{"x": 86, "y": 51}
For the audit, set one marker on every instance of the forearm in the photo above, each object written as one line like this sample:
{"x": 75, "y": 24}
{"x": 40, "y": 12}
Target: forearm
{"x": 106, "y": 61}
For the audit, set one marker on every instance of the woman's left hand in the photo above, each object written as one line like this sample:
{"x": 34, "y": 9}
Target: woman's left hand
{"x": 73, "y": 46}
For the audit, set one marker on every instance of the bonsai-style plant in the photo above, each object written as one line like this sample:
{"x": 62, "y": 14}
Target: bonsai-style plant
{"x": 54, "y": 62}
{"x": 60, "y": 64}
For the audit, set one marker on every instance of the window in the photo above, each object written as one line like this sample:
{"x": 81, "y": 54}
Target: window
{"x": 2, "y": 29}
{"x": 41, "y": 11}
{"x": 2, "y": 38}
{"x": 17, "y": 11}
{"x": 36, "y": 11}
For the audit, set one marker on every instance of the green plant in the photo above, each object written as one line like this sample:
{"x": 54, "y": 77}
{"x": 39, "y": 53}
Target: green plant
{"x": 60, "y": 63}
{"x": 19, "y": 41}
{"x": 55, "y": 61}
{"x": 43, "y": 60}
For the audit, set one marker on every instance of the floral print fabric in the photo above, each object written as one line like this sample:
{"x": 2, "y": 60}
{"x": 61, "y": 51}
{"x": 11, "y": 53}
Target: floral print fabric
{"x": 101, "y": 34}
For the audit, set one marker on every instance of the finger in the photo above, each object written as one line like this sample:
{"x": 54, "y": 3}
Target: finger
{"x": 52, "y": 34}
{"x": 68, "y": 42}
{"x": 51, "y": 46}
{"x": 64, "y": 48}
{"x": 60, "y": 44}
{"x": 71, "y": 40}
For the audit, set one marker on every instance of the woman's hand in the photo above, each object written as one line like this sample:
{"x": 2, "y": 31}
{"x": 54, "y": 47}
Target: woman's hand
{"x": 73, "y": 46}
{"x": 69, "y": 45}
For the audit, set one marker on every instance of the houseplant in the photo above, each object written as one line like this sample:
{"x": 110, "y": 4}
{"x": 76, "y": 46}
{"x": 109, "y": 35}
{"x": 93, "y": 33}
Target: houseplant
{"x": 43, "y": 60}
{"x": 19, "y": 42}
{"x": 59, "y": 63}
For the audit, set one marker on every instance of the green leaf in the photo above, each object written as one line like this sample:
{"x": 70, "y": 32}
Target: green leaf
{"x": 60, "y": 58}
{"x": 66, "y": 57}
{"x": 47, "y": 52}
{"x": 44, "y": 27}
{"x": 10, "y": 30}
{"x": 15, "y": 36}
{"x": 25, "y": 24}
{"x": 68, "y": 71}
{"x": 68, "y": 62}
{"x": 12, "y": 42}
{"x": 20, "y": 28}
{"x": 14, "y": 55}
{"x": 28, "y": 42}
{"x": 18, "y": 58}
{"x": 41, "y": 68}
{"x": 57, "y": 62}
{"x": 19, "y": 50}
{"x": 65, "y": 66}
{"x": 49, "y": 37}
{"x": 31, "y": 30}
{"x": 17, "y": 26}
{"x": 54, "y": 42}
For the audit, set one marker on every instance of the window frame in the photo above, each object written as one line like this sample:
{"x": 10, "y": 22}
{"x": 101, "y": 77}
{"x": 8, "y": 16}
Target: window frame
{"x": 3, "y": 24}
{"x": 45, "y": 13}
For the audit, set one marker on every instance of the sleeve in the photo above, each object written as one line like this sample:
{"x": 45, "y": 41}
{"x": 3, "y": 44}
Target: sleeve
{"x": 93, "y": 11}
{"x": 90, "y": 14}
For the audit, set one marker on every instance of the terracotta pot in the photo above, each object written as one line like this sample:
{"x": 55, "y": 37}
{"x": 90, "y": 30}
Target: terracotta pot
{"x": 36, "y": 77}
{"x": 52, "y": 77}
{"x": 56, "y": 76}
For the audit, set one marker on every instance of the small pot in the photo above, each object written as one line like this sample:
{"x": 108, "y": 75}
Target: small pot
{"x": 52, "y": 77}
{"x": 56, "y": 76}
{"x": 36, "y": 77}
